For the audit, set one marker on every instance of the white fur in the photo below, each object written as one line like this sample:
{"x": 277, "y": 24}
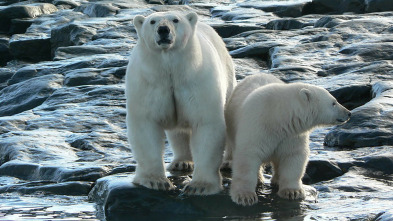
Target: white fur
{"x": 178, "y": 88}
{"x": 272, "y": 124}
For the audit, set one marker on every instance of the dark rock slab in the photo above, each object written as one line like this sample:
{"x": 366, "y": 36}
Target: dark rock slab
{"x": 334, "y": 6}
{"x": 30, "y": 48}
{"x": 321, "y": 170}
{"x": 66, "y": 4}
{"x": 90, "y": 76}
{"x": 23, "y": 11}
{"x": 77, "y": 51}
{"x": 66, "y": 188}
{"x": 378, "y": 5}
{"x": 353, "y": 96}
{"x": 69, "y": 35}
{"x": 370, "y": 51}
{"x": 228, "y": 30}
{"x": 286, "y": 24}
{"x": 5, "y": 54}
{"x": 28, "y": 94}
{"x": 282, "y": 9}
{"x": 19, "y": 26}
{"x": 118, "y": 197}
{"x": 259, "y": 49}
{"x": 370, "y": 125}
{"x": 378, "y": 162}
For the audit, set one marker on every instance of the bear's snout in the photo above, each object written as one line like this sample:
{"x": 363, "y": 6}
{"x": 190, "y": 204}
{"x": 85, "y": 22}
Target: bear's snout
{"x": 163, "y": 31}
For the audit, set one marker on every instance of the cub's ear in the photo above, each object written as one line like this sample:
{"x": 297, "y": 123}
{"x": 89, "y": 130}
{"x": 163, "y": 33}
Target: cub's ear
{"x": 138, "y": 21}
{"x": 192, "y": 17}
{"x": 305, "y": 94}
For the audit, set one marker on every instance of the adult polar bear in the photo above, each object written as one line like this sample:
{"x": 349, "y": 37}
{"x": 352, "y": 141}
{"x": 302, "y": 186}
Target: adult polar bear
{"x": 270, "y": 121}
{"x": 178, "y": 79}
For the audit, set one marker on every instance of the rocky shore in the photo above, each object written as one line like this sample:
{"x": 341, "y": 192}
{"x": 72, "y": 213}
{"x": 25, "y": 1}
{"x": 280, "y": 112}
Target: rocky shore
{"x": 63, "y": 144}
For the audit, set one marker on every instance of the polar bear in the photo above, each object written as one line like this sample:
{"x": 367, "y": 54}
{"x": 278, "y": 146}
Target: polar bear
{"x": 178, "y": 79}
{"x": 272, "y": 124}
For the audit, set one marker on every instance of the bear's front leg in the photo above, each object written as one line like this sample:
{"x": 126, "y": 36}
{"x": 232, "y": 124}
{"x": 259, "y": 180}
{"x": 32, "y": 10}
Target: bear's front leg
{"x": 179, "y": 140}
{"x": 291, "y": 167}
{"x": 245, "y": 176}
{"x": 147, "y": 143}
{"x": 207, "y": 146}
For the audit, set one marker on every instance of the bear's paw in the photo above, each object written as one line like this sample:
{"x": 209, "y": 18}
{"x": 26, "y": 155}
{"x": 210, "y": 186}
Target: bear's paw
{"x": 181, "y": 166}
{"x": 245, "y": 198}
{"x": 155, "y": 183}
{"x": 292, "y": 194}
{"x": 201, "y": 188}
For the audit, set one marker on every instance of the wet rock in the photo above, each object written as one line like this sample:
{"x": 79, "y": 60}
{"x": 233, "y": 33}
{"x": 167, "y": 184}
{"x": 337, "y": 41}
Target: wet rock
{"x": 259, "y": 49}
{"x": 30, "y": 48}
{"x": 336, "y": 6}
{"x": 28, "y": 94}
{"x": 65, "y": 188}
{"x": 285, "y": 24}
{"x": 228, "y": 30}
{"x": 90, "y": 77}
{"x": 370, "y": 125}
{"x": 282, "y": 9}
{"x": 383, "y": 163}
{"x": 370, "y": 51}
{"x": 327, "y": 22}
{"x": 378, "y": 5}
{"x": 77, "y": 51}
{"x": 23, "y": 11}
{"x": 5, "y": 54}
{"x": 321, "y": 170}
{"x": 353, "y": 96}
{"x": 19, "y": 26}
{"x": 67, "y": 4}
{"x": 98, "y": 9}
{"x": 69, "y": 35}
{"x": 117, "y": 196}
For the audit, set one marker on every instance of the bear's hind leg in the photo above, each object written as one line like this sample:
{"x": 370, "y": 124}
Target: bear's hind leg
{"x": 180, "y": 143}
{"x": 292, "y": 165}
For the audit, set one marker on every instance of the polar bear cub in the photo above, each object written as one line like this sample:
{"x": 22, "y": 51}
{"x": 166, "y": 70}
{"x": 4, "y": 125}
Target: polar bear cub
{"x": 178, "y": 80}
{"x": 271, "y": 122}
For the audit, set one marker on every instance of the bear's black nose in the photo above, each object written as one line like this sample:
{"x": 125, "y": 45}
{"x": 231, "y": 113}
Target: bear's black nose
{"x": 163, "y": 31}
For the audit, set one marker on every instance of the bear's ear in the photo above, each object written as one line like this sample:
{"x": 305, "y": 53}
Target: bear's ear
{"x": 138, "y": 21}
{"x": 192, "y": 17}
{"x": 305, "y": 94}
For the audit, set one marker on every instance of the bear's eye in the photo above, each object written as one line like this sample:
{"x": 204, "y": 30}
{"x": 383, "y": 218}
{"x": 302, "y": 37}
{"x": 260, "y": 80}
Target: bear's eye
{"x": 334, "y": 104}
{"x": 175, "y": 20}
{"x": 152, "y": 22}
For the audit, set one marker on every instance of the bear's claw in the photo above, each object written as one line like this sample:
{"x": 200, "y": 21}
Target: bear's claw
{"x": 245, "y": 199}
{"x": 292, "y": 194}
{"x": 181, "y": 166}
{"x": 161, "y": 183}
{"x": 199, "y": 188}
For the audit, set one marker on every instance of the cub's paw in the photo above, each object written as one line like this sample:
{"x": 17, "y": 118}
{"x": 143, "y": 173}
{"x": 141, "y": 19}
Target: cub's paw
{"x": 292, "y": 194}
{"x": 201, "y": 188}
{"x": 181, "y": 166}
{"x": 155, "y": 183}
{"x": 244, "y": 198}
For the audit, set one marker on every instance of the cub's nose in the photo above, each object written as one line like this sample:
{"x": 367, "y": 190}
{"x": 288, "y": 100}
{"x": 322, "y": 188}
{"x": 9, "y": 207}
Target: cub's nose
{"x": 163, "y": 31}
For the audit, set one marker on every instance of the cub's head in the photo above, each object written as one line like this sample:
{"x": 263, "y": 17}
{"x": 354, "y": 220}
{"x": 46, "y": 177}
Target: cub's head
{"x": 328, "y": 111}
{"x": 165, "y": 30}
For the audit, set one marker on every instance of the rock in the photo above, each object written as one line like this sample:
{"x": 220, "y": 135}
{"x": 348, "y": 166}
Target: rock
{"x": 327, "y": 22}
{"x": 5, "y": 54}
{"x": 370, "y": 125}
{"x": 28, "y": 94}
{"x": 98, "y": 9}
{"x": 378, "y": 5}
{"x": 383, "y": 163}
{"x": 285, "y": 24}
{"x": 321, "y": 170}
{"x": 69, "y": 35}
{"x": 68, "y": 4}
{"x": 117, "y": 196}
{"x": 30, "y": 48}
{"x": 90, "y": 76}
{"x": 228, "y": 30}
{"x": 281, "y": 8}
{"x": 23, "y": 11}
{"x": 370, "y": 51}
{"x": 65, "y": 188}
{"x": 62, "y": 53}
{"x": 353, "y": 96}
{"x": 336, "y": 6}
{"x": 19, "y": 26}
{"x": 260, "y": 49}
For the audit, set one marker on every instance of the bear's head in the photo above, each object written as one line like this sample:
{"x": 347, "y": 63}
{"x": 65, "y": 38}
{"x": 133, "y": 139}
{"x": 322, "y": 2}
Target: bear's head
{"x": 325, "y": 107}
{"x": 165, "y": 30}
